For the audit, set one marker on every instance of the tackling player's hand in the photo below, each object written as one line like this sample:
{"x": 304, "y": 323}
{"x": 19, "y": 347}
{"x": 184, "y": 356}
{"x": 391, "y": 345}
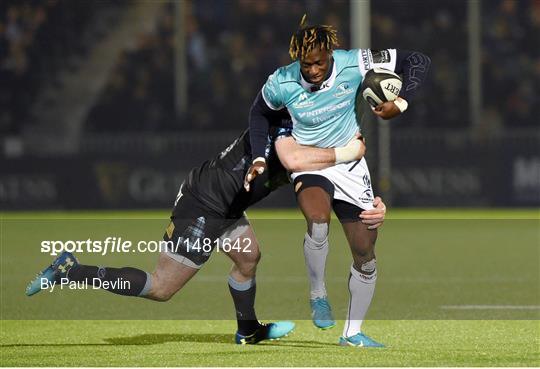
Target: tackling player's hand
{"x": 354, "y": 150}
{"x": 374, "y": 218}
{"x": 363, "y": 148}
{"x": 258, "y": 167}
{"x": 386, "y": 110}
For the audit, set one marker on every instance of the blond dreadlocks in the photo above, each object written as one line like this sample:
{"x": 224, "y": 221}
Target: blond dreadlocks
{"x": 308, "y": 38}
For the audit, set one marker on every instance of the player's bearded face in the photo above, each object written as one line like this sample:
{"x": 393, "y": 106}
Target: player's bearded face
{"x": 315, "y": 65}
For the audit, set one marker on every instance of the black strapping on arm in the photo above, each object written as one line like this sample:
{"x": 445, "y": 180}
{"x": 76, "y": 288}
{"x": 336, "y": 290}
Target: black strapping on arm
{"x": 260, "y": 119}
{"x": 414, "y": 66}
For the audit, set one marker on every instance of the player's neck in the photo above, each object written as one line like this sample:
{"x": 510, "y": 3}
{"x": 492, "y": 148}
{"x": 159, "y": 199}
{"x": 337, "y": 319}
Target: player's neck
{"x": 316, "y": 87}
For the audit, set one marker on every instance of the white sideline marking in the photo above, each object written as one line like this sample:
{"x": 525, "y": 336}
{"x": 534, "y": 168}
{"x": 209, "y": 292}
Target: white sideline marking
{"x": 490, "y": 307}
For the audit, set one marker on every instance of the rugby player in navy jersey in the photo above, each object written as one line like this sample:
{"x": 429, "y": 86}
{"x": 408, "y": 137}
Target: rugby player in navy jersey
{"x": 210, "y": 206}
{"x": 318, "y": 90}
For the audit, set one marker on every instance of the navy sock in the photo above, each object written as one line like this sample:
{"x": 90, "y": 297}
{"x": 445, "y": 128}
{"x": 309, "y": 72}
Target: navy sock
{"x": 122, "y": 281}
{"x": 243, "y": 294}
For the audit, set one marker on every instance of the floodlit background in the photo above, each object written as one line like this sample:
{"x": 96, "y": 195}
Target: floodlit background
{"x": 108, "y": 104}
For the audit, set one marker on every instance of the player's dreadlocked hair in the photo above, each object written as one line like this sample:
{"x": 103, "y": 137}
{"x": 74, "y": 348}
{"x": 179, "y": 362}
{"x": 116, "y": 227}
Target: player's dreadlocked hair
{"x": 308, "y": 38}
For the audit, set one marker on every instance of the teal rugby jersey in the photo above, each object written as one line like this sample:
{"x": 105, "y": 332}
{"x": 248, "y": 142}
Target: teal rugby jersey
{"x": 326, "y": 117}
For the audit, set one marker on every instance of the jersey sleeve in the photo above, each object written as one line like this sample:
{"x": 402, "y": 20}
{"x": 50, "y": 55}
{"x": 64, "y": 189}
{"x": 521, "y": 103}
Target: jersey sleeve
{"x": 271, "y": 92}
{"x": 369, "y": 59}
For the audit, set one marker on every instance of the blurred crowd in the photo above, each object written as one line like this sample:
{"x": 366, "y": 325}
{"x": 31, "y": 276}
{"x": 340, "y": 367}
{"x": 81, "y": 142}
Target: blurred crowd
{"x": 232, "y": 46}
{"x": 440, "y": 32}
{"x": 235, "y": 46}
{"x": 511, "y": 61}
{"x": 38, "y": 39}
{"x": 139, "y": 95}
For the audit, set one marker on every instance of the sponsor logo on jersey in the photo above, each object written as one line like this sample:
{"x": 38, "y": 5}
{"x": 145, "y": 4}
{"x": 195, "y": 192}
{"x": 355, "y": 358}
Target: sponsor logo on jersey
{"x": 366, "y": 180}
{"x": 419, "y": 63}
{"x": 365, "y": 59}
{"x": 343, "y": 89}
{"x": 367, "y": 197}
{"x": 326, "y": 109}
{"x": 303, "y": 101}
{"x": 381, "y": 56}
{"x": 227, "y": 150}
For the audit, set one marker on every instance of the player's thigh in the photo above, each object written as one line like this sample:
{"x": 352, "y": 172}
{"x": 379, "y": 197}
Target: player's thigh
{"x": 314, "y": 194}
{"x": 192, "y": 234}
{"x": 361, "y": 239}
{"x": 169, "y": 277}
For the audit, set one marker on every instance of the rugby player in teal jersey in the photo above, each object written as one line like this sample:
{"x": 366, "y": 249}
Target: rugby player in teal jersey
{"x": 318, "y": 90}
{"x": 210, "y": 205}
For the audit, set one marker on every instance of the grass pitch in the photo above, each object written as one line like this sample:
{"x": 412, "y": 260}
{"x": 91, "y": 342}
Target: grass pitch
{"x": 429, "y": 269}
{"x": 209, "y": 343}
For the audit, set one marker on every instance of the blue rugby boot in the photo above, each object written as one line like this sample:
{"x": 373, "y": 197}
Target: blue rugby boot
{"x": 54, "y": 272}
{"x": 270, "y": 331}
{"x": 359, "y": 340}
{"x": 321, "y": 313}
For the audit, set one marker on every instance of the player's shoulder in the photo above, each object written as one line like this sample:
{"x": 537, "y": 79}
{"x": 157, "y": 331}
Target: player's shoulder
{"x": 287, "y": 73}
{"x": 346, "y": 57}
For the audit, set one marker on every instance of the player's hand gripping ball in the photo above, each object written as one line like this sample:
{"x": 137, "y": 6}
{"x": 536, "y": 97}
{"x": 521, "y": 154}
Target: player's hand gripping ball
{"x": 380, "y": 88}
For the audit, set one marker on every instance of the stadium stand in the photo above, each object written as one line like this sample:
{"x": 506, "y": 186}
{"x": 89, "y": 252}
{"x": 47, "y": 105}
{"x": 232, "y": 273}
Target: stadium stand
{"x": 35, "y": 47}
{"x": 511, "y": 65}
{"x": 233, "y": 46}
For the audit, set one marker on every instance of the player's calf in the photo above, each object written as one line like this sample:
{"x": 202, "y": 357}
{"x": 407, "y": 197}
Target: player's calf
{"x": 169, "y": 277}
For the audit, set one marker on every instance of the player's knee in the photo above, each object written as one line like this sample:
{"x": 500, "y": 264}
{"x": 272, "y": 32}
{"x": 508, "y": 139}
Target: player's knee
{"x": 363, "y": 259}
{"x": 363, "y": 249}
{"x": 318, "y": 217}
{"x": 162, "y": 295}
{"x": 161, "y": 290}
{"x": 248, "y": 266}
{"x": 318, "y": 231}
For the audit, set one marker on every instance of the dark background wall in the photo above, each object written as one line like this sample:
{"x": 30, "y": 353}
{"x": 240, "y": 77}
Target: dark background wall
{"x": 131, "y": 147}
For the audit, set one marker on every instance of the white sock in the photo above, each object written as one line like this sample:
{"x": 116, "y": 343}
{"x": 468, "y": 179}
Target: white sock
{"x": 315, "y": 255}
{"x": 361, "y": 288}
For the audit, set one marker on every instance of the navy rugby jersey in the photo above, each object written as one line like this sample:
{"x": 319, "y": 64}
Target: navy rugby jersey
{"x": 219, "y": 183}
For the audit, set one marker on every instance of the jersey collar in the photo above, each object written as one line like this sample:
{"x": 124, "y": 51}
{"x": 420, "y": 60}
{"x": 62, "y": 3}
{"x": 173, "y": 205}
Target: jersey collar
{"x": 326, "y": 85}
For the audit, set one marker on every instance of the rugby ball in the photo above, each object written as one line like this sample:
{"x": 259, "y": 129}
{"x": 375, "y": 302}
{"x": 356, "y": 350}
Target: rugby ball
{"x": 380, "y": 85}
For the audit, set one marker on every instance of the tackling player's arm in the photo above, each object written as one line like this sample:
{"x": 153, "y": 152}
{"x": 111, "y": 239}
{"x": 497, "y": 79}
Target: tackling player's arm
{"x": 298, "y": 158}
{"x": 267, "y": 106}
{"x": 412, "y": 65}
